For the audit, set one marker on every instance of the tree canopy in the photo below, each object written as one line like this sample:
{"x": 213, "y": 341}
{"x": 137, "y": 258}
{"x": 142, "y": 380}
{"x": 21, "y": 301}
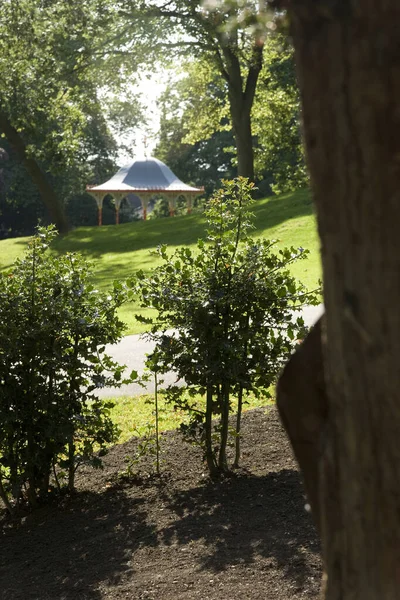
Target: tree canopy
{"x": 191, "y": 141}
{"x": 276, "y": 118}
{"x": 52, "y": 64}
{"x": 195, "y": 116}
{"x": 229, "y": 36}
{"x": 67, "y": 74}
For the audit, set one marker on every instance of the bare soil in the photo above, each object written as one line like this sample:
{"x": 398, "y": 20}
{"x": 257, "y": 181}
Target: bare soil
{"x": 180, "y": 536}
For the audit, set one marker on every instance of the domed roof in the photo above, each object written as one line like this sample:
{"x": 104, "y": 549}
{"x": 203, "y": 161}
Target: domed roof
{"x": 145, "y": 175}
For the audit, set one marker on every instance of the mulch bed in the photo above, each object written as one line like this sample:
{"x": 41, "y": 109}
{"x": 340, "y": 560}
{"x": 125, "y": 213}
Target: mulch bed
{"x": 180, "y": 536}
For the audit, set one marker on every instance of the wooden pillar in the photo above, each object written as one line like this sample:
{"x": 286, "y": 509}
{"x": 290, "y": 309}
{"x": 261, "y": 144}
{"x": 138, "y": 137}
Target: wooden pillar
{"x": 118, "y": 201}
{"x": 145, "y": 201}
{"x": 172, "y": 206}
{"x": 99, "y": 197}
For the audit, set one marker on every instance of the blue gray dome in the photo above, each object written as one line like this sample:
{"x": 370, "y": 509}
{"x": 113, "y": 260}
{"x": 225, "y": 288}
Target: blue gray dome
{"x": 145, "y": 175}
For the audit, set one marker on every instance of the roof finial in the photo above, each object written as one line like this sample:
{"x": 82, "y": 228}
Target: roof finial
{"x": 145, "y": 146}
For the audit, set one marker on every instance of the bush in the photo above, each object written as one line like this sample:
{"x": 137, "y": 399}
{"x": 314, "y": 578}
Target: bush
{"x": 224, "y": 319}
{"x": 53, "y": 328}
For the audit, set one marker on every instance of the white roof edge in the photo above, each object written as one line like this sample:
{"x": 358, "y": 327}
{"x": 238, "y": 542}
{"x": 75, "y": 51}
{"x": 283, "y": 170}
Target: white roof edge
{"x": 145, "y": 175}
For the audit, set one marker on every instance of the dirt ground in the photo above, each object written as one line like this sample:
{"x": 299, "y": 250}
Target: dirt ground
{"x": 181, "y": 537}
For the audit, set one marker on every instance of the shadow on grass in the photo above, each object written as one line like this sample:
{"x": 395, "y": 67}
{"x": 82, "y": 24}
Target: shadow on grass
{"x": 278, "y": 209}
{"x": 130, "y": 237}
{"x": 94, "y": 242}
{"x": 182, "y": 230}
{"x": 243, "y": 518}
{"x": 69, "y": 554}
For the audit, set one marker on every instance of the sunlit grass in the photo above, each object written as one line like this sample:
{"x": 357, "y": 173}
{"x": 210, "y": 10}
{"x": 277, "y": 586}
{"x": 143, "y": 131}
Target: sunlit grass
{"x": 134, "y": 415}
{"x": 10, "y": 250}
{"x": 117, "y": 252}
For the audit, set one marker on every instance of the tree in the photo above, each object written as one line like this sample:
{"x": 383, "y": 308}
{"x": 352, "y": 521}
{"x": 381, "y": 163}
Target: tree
{"x": 276, "y": 118}
{"x": 202, "y": 163}
{"x": 224, "y": 319}
{"x": 195, "y": 115}
{"x": 229, "y": 36}
{"x": 195, "y": 134}
{"x": 54, "y": 327}
{"x": 345, "y": 433}
{"x": 21, "y": 206}
{"x": 49, "y": 197}
{"x": 52, "y": 62}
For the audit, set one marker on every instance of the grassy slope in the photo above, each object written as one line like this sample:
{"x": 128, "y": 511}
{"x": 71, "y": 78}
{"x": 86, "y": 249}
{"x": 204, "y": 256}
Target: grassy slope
{"x": 116, "y": 252}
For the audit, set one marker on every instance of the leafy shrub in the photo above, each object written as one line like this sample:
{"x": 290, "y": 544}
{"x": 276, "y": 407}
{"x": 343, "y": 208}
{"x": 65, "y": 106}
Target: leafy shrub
{"x": 53, "y": 328}
{"x": 225, "y": 317}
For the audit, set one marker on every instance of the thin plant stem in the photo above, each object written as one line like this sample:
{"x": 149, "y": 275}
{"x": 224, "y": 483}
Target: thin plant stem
{"x": 5, "y": 499}
{"x": 157, "y": 424}
{"x": 238, "y": 427}
{"x": 56, "y": 476}
{"x": 210, "y": 458}
{"x": 222, "y": 462}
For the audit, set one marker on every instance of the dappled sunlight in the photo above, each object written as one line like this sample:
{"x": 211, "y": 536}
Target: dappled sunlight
{"x": 279, "y": 209}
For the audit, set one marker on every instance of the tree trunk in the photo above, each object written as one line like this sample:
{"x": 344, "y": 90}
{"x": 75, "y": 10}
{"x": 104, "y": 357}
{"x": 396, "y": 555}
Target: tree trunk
{"x": 241, "y": 92}
{"x": 241, "y": 123}
{"x": 71, "y": 465}
{"x": 157, "y": 423}
{"x": 210, "y": 458}
{"x": 238, "y": 430}
{"x": 348, "y": 61}
{"x": 224, "y": 423}
{"x": 4, "y": 497}
{"x": 48, "y": 195}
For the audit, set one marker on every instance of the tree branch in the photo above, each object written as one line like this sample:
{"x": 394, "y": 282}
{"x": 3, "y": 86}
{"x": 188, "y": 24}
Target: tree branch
{"x": 252, "y": 76}
{"x": 221, "y": 65}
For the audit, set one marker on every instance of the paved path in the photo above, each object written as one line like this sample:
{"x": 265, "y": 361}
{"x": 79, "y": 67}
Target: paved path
{"x": 132, "y": 350}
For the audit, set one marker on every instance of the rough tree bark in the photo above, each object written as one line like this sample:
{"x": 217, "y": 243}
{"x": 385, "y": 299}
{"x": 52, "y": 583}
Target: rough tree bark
{"x": 241, "y": 123}
{"x": 47, "y": 193}
{"x": 348, "y": 61}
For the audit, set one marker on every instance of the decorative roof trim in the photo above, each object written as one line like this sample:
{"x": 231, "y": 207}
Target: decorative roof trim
{"x": 145, "y": 176}
{"x": 98, "y": 189}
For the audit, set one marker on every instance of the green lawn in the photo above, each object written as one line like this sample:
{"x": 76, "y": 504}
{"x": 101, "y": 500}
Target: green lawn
{"x": 135, "y": 415}
{"x": 117, "y": 251}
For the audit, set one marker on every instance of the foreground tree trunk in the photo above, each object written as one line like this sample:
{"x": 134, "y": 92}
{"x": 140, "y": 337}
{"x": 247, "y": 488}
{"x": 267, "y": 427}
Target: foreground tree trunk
{"x": 348, "y": 60}
{"x": 47, "y": 193}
